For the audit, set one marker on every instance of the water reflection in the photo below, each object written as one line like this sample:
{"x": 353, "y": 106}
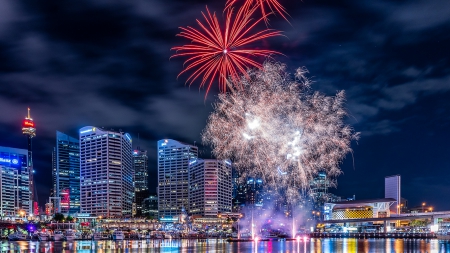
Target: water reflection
{"x": 346, "y": 245}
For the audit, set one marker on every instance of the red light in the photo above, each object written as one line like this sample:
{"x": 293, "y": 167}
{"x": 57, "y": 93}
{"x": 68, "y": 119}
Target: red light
{"x": 27, "y": 123}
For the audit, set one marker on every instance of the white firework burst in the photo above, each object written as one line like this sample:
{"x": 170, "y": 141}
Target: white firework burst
{"x": 275, "y": 128}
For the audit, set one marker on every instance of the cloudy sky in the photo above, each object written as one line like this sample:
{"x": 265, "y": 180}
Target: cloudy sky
{"x": 106, "y": 63}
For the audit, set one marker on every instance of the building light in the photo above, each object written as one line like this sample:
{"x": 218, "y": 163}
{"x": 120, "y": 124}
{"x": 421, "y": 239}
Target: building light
{"x": 86, "y": 131}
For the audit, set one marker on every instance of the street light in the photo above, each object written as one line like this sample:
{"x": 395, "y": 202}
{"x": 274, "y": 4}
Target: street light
{"x": 423, "y": 207}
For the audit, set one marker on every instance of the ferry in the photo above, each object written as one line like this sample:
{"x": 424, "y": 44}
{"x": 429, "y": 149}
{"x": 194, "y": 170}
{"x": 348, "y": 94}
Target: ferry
{"x": 118, "y": 235}
{"x": 70, "y": 235}
{"x": 57, "y": 236}
{"x": 43, "y": 236}
{"x": 17, "y": 236}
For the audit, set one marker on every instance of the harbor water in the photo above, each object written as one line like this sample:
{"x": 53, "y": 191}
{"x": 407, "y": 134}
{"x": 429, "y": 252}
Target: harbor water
{"x": 323, "y": 245}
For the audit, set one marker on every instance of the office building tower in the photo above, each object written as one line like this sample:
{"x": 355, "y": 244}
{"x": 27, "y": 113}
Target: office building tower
{"x": 210, "y": 187}
{"x": 318, "y": 190}
{"x": 15, "y": 184}
{"x": 106, "y": 172}
{"x": 150, "y": 207}
{"x": 392, "y": 189}
{"x": 173, "y": 164}
{"x": 66, "y": 173}
{"x": 140, "y": 166}
{"x": 254, "y": 192}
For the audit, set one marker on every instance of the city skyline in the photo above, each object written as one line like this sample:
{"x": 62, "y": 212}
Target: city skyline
{"x": 393, "y": 65}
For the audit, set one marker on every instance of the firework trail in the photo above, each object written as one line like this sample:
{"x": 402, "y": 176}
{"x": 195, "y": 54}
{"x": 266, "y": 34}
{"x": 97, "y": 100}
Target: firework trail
{"x": 220, "y": 52}
{"x": 276, "y": 129}
{"x": 266, "y": 6}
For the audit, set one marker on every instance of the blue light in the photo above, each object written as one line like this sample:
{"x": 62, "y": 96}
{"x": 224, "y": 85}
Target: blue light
{"x": 128, "y": 137}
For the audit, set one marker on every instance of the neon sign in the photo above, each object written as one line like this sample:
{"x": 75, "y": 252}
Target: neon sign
{"x": 27, "y": 123}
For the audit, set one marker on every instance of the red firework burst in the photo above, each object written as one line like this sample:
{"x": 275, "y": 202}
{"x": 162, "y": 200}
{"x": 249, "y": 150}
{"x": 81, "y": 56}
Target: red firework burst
{"x": 266, "y": 7}
{"x": 216, "y": 52}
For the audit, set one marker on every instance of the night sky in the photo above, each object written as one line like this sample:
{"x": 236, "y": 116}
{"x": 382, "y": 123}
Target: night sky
{"x": 106, "y": 63}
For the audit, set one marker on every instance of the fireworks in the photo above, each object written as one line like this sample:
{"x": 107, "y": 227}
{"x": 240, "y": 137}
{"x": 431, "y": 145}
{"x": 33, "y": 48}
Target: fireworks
{"x": 266, "y": 7}
{"x": 217, "y": 52}
{"x": 276, "y": 129}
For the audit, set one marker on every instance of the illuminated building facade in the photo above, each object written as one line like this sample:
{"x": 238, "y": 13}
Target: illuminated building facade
{"x": 358, "y": 209}
{"x": 106, "y": 172}
{"x": 210, "y": 187}
{"x": 15, "y": 194}
{"x": 173, "y": 177}
{"x": 66, "y": 172}
{"x": 29, "y": 129}
{"x": 140, "y": 166}
{"x": 392, "y": 189}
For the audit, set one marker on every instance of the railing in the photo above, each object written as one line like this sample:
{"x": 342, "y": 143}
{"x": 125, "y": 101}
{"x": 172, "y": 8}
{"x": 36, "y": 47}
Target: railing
{"x": 374, "y": 235}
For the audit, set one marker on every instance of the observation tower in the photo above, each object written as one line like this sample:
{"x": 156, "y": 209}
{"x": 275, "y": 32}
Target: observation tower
{"x": 29, "y": 129}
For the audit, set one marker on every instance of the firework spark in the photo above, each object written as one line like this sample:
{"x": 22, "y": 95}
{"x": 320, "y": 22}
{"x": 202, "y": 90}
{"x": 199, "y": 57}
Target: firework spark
{"x": 266, "y": 6}
{"x": 276, "y": 129}
{"x": 221, "y": 53}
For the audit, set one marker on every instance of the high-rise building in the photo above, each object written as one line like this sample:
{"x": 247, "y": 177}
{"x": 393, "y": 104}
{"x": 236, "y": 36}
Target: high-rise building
{"x": 106, "y": 172}
{"x": 140, "y": 166}
{"x": 392, "y": 189}
{"x": 15, "y": 184}
{"x": 150, "y": 207}
{"x": 210, "y": 187}
{"x": 66, "y": 173}
{"x": 254, "y": 192}
{"x": 29, "y": 129}
{"x": 173, "y": 164}
{"x": 318, "y": 190}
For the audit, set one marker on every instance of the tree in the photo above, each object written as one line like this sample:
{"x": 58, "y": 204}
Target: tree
{"x": 69, "y": 218}
{"x": 58, "y": 217}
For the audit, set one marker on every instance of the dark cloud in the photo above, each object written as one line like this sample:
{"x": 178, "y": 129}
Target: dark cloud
{"x": 106, "y": 63}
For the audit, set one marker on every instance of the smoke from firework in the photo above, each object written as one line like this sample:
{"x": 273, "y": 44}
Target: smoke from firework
{"x": 276, "y": 129}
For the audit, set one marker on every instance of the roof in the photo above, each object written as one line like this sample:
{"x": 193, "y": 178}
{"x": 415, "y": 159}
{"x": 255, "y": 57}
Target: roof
{"x": 361, "y": 202}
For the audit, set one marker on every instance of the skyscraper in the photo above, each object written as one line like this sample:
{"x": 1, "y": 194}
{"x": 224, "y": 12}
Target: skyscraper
{"x": 15, "y": 191}
{"x": 210, "y": 187}
{"x": 106, "y": 172}
{"x": 173, "y": 165}
{"x": 66, "y": 173}
{"x": 392, "y": 189}
{"x": 318, "y": 190}
{"x": 140, "y": 166}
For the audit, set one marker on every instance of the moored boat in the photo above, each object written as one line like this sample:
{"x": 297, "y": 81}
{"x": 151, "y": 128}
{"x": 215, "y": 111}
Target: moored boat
{"x": 17, "y": 236}
{"x": 118, "y": 235}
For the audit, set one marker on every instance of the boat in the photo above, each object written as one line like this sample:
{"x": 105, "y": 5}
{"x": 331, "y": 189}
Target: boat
{"x": 17, "y": 236}
{"x": 118, "y": 235}
{"x": 159, "y": 236}
{"x": 57, "y": 236}
{"x": 70, "y": 235}
{"x": 97, "y": 236}
{"x": 43, "y": 236}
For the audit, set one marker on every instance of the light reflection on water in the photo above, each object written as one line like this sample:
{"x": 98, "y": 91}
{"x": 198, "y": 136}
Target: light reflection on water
{"x": 345, "y": 245}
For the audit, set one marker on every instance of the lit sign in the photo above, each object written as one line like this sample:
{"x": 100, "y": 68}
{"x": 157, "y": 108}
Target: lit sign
{"x": 27, "y": 123}
{"x": 7, "y": 160}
